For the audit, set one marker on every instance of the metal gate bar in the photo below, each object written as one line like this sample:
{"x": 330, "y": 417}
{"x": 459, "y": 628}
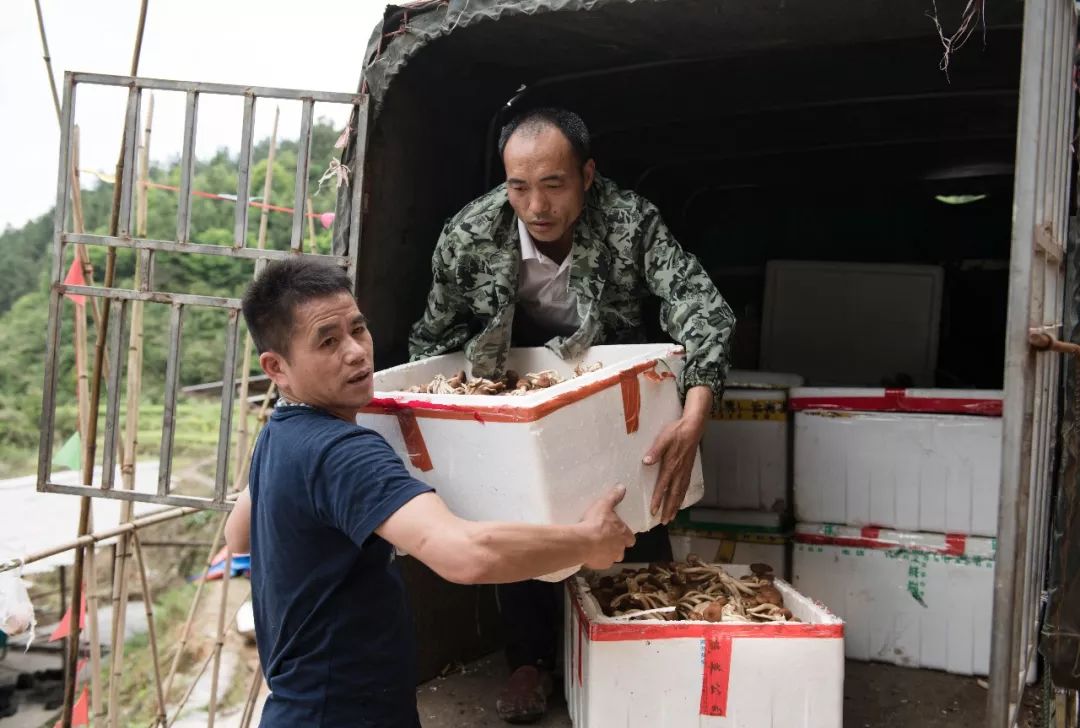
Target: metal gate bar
{"x": 178, "y": 301}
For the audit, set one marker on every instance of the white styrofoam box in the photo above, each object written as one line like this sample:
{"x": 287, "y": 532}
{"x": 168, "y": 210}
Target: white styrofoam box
{"x": 912, "y": 599}
{"x": 915, "y": 460}
{"x": 745, "y": 448}
{"x": 853, "y": 324}
{"x": 657, "y": 674}
{"x": 543, "y": 457}
{"x": 730, "y": 537}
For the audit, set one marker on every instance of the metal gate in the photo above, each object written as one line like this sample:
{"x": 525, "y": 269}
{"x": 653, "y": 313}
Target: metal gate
{"x": 1032, "y": 361}
{"x": 123, "y": 303}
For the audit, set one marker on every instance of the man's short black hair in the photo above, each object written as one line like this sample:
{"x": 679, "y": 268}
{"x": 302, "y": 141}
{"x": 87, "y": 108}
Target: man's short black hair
{"x": 283, "y": 285}
{"x": 569, "y": 123}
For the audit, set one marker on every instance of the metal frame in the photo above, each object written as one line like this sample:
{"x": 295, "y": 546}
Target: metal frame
{"x": 1032, "y": 378}
{"x": 177, "y": 300}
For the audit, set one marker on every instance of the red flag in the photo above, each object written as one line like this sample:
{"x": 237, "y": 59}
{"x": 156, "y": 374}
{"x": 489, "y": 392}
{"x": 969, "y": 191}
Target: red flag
{"x": 64, "y": 628}
{"x": 75, "y": 277}
{"x": 80, "y": 714}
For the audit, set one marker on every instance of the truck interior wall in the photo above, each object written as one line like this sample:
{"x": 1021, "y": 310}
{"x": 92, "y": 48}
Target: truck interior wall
{"x": 829, "y": 153}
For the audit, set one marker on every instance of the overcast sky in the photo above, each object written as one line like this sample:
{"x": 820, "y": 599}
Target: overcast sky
{"x": 314, "y": 45}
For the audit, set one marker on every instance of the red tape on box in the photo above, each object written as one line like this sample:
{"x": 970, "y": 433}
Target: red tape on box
{"x": 898, "y": 400}
{"x": 496, "y": 412}
{"x": 714, "y": 684}
{"x": 414, "y": 440}
{"x": 716, "y": 675}
{"x": 870, "y": 539}
{"x": 631, "y": 400}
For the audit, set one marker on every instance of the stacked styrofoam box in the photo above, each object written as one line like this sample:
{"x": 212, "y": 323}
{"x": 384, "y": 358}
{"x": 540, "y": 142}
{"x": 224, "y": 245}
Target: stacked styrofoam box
{"x": 745, "y": 448}
{"x": 915, "y": 460}
{"x": 746, "y": 463}
{"x": 543, "y": 457}
{"x": 925, "y": 465}
{"x": 912, "y": 599}
{"x": 657, "y": 674}
{"x": 731, "y": 537}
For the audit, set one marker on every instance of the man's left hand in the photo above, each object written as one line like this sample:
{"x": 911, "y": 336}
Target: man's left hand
{"x": 675, "y": 449}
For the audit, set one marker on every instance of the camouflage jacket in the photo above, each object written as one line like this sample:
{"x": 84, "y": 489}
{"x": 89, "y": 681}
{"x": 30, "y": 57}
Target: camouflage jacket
{"x": 622, "y": 253}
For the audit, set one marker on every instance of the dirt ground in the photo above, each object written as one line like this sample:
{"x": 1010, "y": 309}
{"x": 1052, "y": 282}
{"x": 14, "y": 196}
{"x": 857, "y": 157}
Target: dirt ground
{"x": 875, "y": 696}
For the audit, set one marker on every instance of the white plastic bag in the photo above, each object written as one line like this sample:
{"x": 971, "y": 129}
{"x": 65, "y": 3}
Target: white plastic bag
{"x": 16, "y": 610}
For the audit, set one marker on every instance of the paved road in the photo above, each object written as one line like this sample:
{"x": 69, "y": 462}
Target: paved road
{"x": 32, "y": 521}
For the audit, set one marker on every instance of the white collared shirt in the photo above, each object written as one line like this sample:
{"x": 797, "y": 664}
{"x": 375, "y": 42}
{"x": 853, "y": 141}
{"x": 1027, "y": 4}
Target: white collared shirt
{"x": 543, "y": 287}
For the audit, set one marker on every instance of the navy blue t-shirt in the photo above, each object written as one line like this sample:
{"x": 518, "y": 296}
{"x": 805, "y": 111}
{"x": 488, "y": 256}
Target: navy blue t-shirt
{"x": 334, "y": 632}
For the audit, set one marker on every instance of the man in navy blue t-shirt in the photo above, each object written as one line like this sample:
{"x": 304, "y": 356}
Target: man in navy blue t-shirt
{"x": 327, "y": 502}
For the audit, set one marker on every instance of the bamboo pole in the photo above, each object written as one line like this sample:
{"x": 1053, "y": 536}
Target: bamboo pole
{"x": 48, "y": 59}
{"x": 119, "y": 619}
{"x": 62, "y": 577}
{"x": 127, "y": 474}
{"x": 151, "y": 630}
{"x": 144, "y": 172}
{"x": 264, "y": 218}
{"x": 79, "y": 222}
{"x": 131, "y": 429}
{"x": 186, "y": 632}
{"x": 95, "y": 401}
{"x": 76, "y": 196}
{"x": 84, "y": 572}
{"x": 93, "y": 626}
{"x": 90, "y": 539}
{"x": 71, "y": 644}
{"x": 89, "y": 575}
{"x": 245, "y": 369}
{"x": 252, "y": 698}
{"x": 219, "y": 645}
{"x": 190, "y": 690}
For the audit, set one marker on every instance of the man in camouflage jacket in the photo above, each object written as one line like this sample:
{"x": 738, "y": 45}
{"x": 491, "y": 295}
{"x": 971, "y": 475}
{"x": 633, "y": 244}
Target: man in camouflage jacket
{"x": 622, "y": 253}
{"x": 612, "y": 251}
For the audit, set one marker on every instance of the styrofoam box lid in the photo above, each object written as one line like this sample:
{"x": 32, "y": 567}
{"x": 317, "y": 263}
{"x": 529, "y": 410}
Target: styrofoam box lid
{"x": 616, "y": 360}
{"x": 742, "y": 379}
{"x": 882, "y": 539}
{"x": 986, "y": 402}
{"x": 867, "y": 321}
{"x": 815, "y": 617}
{"x": 719, "y": 519}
